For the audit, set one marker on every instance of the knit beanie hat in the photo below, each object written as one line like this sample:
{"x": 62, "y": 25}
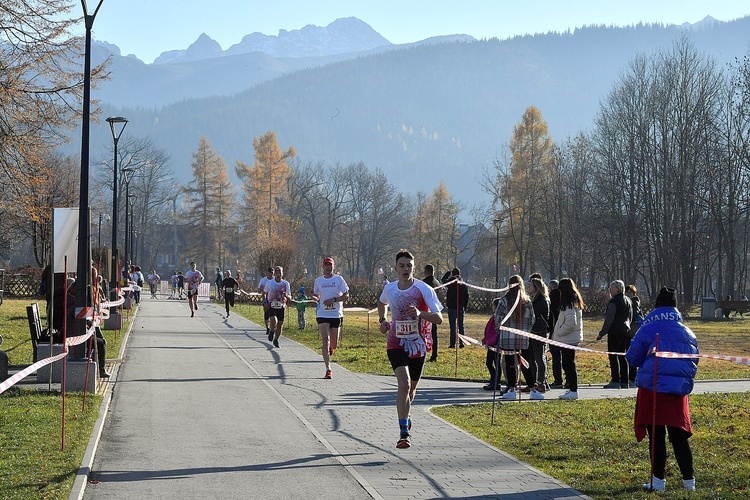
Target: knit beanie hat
{"x": 667, "y": 298}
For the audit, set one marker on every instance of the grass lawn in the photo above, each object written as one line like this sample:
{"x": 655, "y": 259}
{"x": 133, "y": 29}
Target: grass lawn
{"x": 590, "y": 444}
{"x": 600, "y": 456}
{"x": 33, "y": 463}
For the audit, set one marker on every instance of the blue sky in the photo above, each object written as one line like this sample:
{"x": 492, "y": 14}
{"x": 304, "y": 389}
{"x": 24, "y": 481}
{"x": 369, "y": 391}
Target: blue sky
{"x": 147, "y": 28}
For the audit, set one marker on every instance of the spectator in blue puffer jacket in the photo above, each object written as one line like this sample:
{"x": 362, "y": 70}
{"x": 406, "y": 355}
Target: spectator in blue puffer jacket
{"x": 674, "y": 381}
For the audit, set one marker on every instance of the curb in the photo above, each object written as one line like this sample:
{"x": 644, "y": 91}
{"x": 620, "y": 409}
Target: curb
{"x": 82, "y": 475}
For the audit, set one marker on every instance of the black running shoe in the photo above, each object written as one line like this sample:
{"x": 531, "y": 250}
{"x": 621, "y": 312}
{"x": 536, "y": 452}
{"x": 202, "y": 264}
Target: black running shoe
{"x": 276, "y": 343}
{"x": 404, "y": 441}
{"x": 270, "y": 335}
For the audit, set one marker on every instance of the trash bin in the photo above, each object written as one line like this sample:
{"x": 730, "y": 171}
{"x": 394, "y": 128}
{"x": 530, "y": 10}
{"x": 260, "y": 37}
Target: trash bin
{"x": 708, "y": 308}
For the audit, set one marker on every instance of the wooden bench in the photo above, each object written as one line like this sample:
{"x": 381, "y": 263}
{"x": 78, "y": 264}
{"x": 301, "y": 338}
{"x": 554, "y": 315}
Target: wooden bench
{"x": 38, "y": 334}
{"x": 727, "y": 306}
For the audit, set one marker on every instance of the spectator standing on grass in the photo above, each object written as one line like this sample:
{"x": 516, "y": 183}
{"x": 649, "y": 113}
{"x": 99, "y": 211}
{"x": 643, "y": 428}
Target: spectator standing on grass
{"x": 555, "y": 351}
{"x": 301, "y": 304}
{"x": 617, "y": 328}
{"x": 675, "y": 378}
{"x": 569, "y": 330}
{"x": 180, "y": 284}
{"x": 516, "y": 305}
{"x": 432, "y": 282}
{"x": 632, "y": 293}
{"x": 538, "y": 362}
{"x": 493, "y": 357}
{"x": 217, "y": 281}
{"x": 456, "y": 300}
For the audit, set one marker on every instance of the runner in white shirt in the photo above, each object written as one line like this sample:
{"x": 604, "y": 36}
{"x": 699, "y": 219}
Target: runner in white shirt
{"x": 414, "y": 308}
{"x": 331, "y": 291}
{"x": 262, "y": 290}
{"x": 278, "y": 293}
{"x": 193, "y": 278}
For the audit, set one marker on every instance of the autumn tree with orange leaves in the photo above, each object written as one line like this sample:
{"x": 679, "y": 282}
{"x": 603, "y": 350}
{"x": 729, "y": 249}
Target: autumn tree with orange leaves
{"x": 265, "y": 195}
{"x": 527, "y": 180}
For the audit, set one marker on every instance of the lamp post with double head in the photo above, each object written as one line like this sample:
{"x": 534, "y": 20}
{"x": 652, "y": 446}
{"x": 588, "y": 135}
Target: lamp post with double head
{"x": 117, "y": 125}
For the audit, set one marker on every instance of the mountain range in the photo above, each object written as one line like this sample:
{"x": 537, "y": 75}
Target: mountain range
{"x": 439, "y": 109}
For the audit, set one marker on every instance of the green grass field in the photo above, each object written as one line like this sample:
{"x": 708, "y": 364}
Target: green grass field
{"x": 587, "y": 444}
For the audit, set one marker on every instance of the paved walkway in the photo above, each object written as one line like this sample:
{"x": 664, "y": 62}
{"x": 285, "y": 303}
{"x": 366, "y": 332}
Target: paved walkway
{"x": 205, "y": 407}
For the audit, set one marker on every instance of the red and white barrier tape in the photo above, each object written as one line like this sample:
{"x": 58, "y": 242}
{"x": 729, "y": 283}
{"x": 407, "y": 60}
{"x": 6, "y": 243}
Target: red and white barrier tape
{"x": 10, "y": 382}
{"x": 497, "y": 290}
{"x": 70, "y": 341}
{"x": 733, "y": 359}
{"x": 661, "y": 354}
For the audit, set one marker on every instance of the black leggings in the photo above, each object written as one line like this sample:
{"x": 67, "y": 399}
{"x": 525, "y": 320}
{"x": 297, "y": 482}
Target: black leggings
{"x": 228, "y": 300}
{"x": 682, "y": 452}
{"x": 494, "y": 369}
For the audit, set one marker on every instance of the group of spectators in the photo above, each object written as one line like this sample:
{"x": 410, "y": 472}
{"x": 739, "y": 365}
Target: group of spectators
{"x": 662, "y": 399}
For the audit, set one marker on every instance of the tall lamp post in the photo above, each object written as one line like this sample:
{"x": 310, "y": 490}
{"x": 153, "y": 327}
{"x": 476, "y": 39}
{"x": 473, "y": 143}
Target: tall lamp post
{"x": 117, "y": 125}
{"x": 83, "y": 261}
{"x": 131, "y": 250}
{"x": 127, "y": 176}
{"x": 99, "y": 246}
{"x": 497, "y": 253}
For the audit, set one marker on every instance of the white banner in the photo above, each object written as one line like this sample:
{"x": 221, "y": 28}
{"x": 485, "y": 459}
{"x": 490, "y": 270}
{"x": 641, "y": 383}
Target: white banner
{"x": 65, "y": 238}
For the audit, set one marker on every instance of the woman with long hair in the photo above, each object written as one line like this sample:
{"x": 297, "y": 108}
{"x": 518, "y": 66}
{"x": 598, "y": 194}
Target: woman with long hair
{"x": 537, "y": 363}
{"x": 521, "y": 317}
{"x": 569, "y": 330}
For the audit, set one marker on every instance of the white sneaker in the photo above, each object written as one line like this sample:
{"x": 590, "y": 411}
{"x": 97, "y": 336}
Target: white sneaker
{"x": 510, "y": 395}
{"x": 570, "y": 395}
{"x": 689, "y": 484}
{"x": 536, "y": 395}
{"x": 659, "y": 485}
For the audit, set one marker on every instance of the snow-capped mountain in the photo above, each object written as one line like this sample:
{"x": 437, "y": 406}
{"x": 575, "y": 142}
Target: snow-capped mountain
{"x": 345, "y": 35}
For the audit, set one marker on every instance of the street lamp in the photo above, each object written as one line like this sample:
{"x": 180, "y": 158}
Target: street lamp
{"x": 497, "y": 252}
{"x": 117, "y": 125}
{"x": 83, "y": 261}
{"x": 127, "y": 176}
{"x": 131, "y": 250}
{"x": 101, "y": 216}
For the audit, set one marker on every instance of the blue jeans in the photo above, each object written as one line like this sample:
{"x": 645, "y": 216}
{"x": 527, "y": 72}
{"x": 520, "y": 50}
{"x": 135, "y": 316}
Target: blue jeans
{"x": 452, "y": 316}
